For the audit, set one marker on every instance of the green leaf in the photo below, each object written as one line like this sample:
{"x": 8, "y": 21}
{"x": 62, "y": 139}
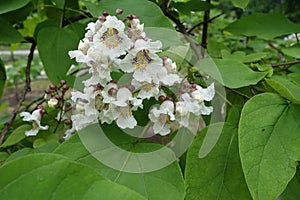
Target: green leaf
{"x": 44, "y": 176}
{"x": 2, "y": 77}
{"x": 53, "y": 50}
{"x": 17, "y": 135}
{"x": 168, "y": 178}
{"x": 287, "y": 86}
{"x": 3, "y": 156}
{"x": 293, "y": 51}
{"x": 167, "y": 36}
{"x": 9, "y": 5}
{"x": 231, "y": 73}
{"x": 219, "y": 175}
{"x": 254, "y": 57}
{"x": 265, "y": 26}
{"x": 8, "y": 34}
{"x": 59, "y": 3}
{"x": 269, "y": 144}
{"x": 148, "y": 12}
{"x": 292, "y": 191}
{"x": 193, "y": 5}
{"x": 240, "y": 3}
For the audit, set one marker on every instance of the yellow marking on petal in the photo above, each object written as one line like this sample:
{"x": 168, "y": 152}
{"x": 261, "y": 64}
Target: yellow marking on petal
{"x": 116, "y": 43}
{"x": 149, "y": 87}
{"x": 138, "y": 66}
{"x": 35, "y": 126}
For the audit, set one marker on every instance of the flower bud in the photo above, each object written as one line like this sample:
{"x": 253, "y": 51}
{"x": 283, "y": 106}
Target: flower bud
{"x": 62, "y": 82}
{"x": 52, "y": 103}
{"x": 119, "y": 11}
{"x": 65, "y": 87}
{"x": 68, "y": 121}
{"x": 102, "y": 18}
{"x": 105, "y": 13}
{"x": 52, "y": 87}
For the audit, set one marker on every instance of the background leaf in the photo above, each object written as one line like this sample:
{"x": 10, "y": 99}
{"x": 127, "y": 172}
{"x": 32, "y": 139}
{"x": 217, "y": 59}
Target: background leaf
{"x": 52, "y": 176}
{"x": 192, "y": 5}
{"x": 240, "y": 3}
{"x": 269, "y": 144}
{"x": 8, "y": 5}
{"x": 265, "y": 26}
{"x": 230, "y": 72}
{"x": 54, "y": 43}
{"x": 292, "y": 191}
{"x": 293, "y": 51}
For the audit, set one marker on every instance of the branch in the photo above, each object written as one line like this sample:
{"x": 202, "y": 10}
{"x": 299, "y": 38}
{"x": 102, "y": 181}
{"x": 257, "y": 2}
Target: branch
{"x": 26, "y": 89}
{"x": 201, "y": 23}
{"x": 205, "y": 30}
{"x": 286, "y": 63}
{"x": 182, "y": 29}
{"x": 76, "y": 18}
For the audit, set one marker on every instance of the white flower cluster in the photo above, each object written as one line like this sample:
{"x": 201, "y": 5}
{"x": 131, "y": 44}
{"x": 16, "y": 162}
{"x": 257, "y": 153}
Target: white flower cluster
{"x": 108, "y": 47}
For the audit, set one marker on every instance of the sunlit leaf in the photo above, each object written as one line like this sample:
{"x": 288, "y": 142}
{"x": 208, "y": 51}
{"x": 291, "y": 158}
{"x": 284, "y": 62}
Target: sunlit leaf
{"x": 240, "y": 3}
{"x": 269, "y": 144}
{"x": 17, "y": 135}
{"x": 44, "y": 176}
{"x": 121, "y": 151}
{"x": 288, "y": 86}
{"x": 230, "y": 72}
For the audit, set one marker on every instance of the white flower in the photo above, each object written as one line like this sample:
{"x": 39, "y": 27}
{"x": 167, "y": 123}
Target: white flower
{"x": 52, "y": 103}
{"x": 142, "y": 60}
{"x": 202, "y": 94}
{"x": 35, "y": 118}
{"x": 162, "y": 76}
{"x": 80, "y": 55}
{"x": 111, "y": 38}
{"x": 161, "y": 117}
{"x": 182, "y": 113}
{"x": 146, "y": 90}
{"x": 122, "y": 107}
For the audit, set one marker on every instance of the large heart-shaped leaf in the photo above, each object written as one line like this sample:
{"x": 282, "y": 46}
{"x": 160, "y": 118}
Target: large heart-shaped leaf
{"x": 269, "y": 144}
{"x": 265, "y": 26}
{"x": 54, "y": 43}
{"x": 230, "y": 72}
{"x": 8, "y": 5}
{"x": 148, "y": 12}
{"x": 52, "y": 176}
{"x": 219, "y": 175}
{"x": 164, "y": 183}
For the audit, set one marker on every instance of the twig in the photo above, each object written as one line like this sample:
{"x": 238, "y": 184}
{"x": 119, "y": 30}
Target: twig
{"x": 26, "y": 89}
{"x": 239, "y": 93}
{"x": 286, "y": 63}
{"x": 201, "y": 23}
{"x": 182, "y": 29}
{"x": 205, "y": 30}
{"x": 280, "y": 53}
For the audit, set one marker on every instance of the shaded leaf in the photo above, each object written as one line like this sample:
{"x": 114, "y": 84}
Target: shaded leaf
{"x": 9, "y": 5}
{"x": 269, "y": 144}
{"x": 231, "y": 73}
{"x": 219, "y": 175}
{"x": 51, "y": 176}
{"x": 287, "y": 86}
{"x": 292, "y": 191}
{"x": 53, "y": 50}
{"x": 8, "y": 34}
{"x": 265, "y": 26}
{"x": 148, "y": 12}
{"x": 193, "y": 5}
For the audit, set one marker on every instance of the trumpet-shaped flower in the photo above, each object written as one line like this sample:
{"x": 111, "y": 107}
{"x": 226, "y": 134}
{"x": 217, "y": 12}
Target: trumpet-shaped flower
{"x": 111, "y": 38}
{"x": 35, "y": 118}
{"x": 161, "y": 117}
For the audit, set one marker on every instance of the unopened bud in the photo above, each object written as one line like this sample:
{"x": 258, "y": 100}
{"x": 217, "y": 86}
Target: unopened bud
{"x": 105, "y": 13}
{"x": 52, "y": 87}
{"x": 52, "y": 103}
{"x": 65, "y": 87}
{"x": 62, "y": 82}
{"x": 112, "y": 91}
{"x": 119, "y": 11}
{"x": 161, "y": 98}
{"x": 102, "y": 18}
{"x": 68, "y": 121}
